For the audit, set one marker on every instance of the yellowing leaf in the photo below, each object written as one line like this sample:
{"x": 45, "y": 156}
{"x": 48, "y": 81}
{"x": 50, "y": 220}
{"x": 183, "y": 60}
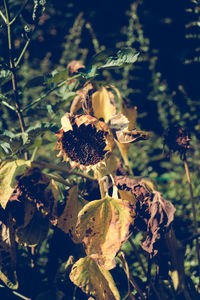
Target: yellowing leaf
{"x": 101, "y": 105}
{"x": 175, "y": 279}
{"x": 103, "y": 226}
{"x": 131, "y": 114}
{"x": 124, "y": 148}
{"x": 8, "y": 173}
{"x": 94, "y": 280}
{"x": 67, "y": 221}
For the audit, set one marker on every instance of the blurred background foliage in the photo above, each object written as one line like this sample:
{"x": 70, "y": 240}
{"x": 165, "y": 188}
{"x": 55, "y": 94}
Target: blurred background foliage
{"x": 163, "y": 84}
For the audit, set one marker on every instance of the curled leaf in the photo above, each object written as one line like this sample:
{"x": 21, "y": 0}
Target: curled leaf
{"x": 103, "y": 226}
{"x": 94, "y": 280}
{"x": 153, "y": 214}
{"x": 102, "y": 106}
{"x": 8, "y": 173}
{"x": 130, "y": 136}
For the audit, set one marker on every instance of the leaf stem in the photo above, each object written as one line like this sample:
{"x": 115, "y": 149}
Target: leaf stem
{"x": 3, "y": 17}
{"x": 193, "y": 212}
{"x": 19, "y": 12}
{"x": 43, "y": 96}
{"x": 8, "y": 105}
{"x": 49, "y": 166}
{"x": 59, "y": 179}
{"x": 22, "y": 53}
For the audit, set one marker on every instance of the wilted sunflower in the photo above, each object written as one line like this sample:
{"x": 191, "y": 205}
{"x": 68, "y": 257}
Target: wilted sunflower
{"x": 84, "y": 141}
{"x": 177, "y": 139}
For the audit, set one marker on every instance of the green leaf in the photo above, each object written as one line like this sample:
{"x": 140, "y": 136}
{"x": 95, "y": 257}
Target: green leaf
{"x": 55, "y": 78}
{"x": 103, "y": 226}
{"x": 8, "y": 173}
{"x": 120, "y": 58}
{"x": 16, "y": 142}
{"x": 5, "y": 76}
{"x": 94, "y": 280}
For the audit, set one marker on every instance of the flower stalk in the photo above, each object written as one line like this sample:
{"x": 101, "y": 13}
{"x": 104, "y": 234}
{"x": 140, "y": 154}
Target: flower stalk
{"x": 193, "y": 212}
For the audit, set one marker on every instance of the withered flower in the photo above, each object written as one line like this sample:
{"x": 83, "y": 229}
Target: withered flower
{"x": 84, "y": 141}
{"x": 32, "y": 191}
{"x": 153, "y": 214}
{"x": 177, "y": 139}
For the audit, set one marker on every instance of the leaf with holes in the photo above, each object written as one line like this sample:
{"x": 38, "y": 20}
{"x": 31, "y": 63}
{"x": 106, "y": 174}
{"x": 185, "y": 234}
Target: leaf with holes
{"x": 67, "y": 221}
{"x": 103, "y": 226}
{"x": 121, "y": 58}
{"x": 8, "y": 173}
{"x": 94, "y": 280}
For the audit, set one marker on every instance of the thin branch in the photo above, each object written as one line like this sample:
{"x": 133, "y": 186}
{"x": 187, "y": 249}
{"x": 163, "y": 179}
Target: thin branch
{"x": 59, "y": 179}
{"x": 8, "y": 105}
{"x": 143, "y": 267}
{"x": 43, "y": 96}
{"x": 19, "y": 12}
{"x": 193, "y": 212}
{"x": 22, "y": 53}
{"x": 15, "y": 293}
{"x": 3, "y": 17}
{"x": 138, "y": 256}
{"x": 49, "y": 166}
{"x": 129, "y": 277}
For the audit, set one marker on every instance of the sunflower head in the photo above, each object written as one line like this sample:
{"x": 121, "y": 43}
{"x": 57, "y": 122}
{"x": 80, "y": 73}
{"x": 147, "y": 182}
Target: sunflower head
{"x": 84, "y": 141}
{"x": 177, "y": 139}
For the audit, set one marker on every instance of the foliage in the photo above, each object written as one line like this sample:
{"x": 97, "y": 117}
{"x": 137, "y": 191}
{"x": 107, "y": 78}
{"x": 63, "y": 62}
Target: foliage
{"x": 97, "y": 225}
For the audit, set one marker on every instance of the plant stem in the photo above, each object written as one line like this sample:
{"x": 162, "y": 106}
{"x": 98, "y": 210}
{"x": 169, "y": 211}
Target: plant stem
{"x": 19, "y": 12}
{"x": 3, "y": 17}
{"x": 59, "y": 179}
{"x": 193, "y": 211}
{"x": 13, "y": 70}
{"x": 43, "y": 165}
{"x": 15, "y": 293}
{"x": 129, "y": 277}
{"x": 143, "y": 268}
{"x": 8, "y": 105}
{"x": 22, "y": 53}
{"x": 138, "y": 256}
{"x": 43, "y": 96}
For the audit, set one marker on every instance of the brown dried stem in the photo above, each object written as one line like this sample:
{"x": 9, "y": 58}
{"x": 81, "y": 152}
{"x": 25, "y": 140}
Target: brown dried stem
{"x": 193, "y": 212}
